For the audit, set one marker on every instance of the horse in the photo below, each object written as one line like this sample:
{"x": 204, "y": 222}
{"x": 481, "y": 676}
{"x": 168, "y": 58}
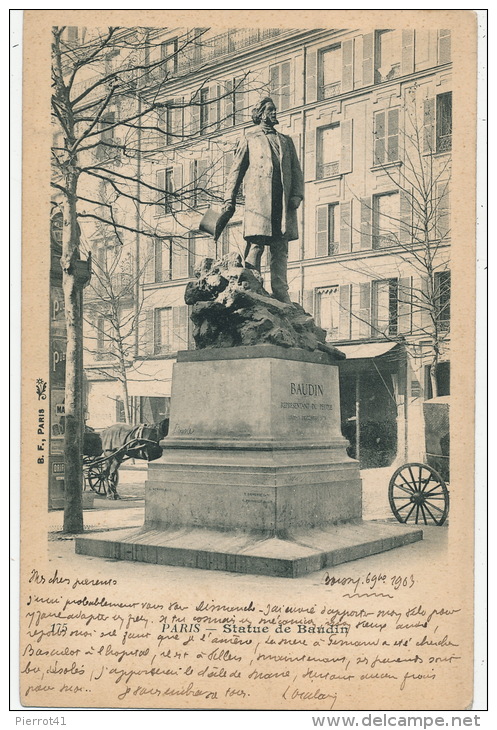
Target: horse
{"x": 123, "y": 440}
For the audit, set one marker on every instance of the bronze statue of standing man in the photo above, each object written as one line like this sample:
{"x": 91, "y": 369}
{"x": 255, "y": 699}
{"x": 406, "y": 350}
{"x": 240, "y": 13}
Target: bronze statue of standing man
{"x": 274, "y": 189}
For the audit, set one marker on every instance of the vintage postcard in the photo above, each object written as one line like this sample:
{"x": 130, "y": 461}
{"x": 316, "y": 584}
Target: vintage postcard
{"x": 248, "y": 304}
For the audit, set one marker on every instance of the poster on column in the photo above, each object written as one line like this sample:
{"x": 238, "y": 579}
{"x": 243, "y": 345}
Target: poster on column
{"x": 247, "y": 473}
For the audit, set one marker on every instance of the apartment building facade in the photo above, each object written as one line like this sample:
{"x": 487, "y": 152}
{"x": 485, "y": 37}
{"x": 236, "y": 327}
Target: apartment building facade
{"x": 370, "y": 114}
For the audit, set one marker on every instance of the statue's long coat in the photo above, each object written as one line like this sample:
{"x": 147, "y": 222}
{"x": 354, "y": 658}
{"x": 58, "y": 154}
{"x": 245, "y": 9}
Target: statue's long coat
{"x": 253, "y": 163}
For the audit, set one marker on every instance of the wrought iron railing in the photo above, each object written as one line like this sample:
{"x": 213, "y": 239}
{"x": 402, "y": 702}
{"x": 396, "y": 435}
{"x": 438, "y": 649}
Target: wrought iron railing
{"x": 328, "y": 169}
{"x": 444, "y": 143}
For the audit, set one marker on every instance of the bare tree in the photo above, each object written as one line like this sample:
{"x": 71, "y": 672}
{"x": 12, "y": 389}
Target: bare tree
{"x": 417, "y": 229}
{"x": 108, "y": 107}
{"x": 114, "y": 315}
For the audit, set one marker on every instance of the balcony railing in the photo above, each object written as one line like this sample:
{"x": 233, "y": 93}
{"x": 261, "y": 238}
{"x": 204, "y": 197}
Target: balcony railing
{"x": 328, "y": 169}
{"x": 330, "y": 90}
{"x": 444, "y": 143}
{"x": 209, "y": 49}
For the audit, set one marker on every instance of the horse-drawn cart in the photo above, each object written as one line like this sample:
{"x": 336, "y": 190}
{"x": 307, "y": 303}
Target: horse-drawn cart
{"x": 418, "y": 492}
{"x": 103, "y": 453}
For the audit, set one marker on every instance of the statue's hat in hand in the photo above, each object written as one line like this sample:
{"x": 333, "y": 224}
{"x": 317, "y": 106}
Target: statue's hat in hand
{"x": 214, "y": 223}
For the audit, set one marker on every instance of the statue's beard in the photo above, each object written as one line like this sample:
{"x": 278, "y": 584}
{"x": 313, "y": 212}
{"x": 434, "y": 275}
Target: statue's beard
{"x": 268, "y": 123}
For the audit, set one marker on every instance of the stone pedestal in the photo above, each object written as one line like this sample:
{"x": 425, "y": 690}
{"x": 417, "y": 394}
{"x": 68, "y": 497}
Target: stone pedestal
{"x": 254, "y": 444}
{"x": 255, "y": 476}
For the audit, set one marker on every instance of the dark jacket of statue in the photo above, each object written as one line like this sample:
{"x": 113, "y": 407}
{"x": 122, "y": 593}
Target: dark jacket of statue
{"x": 253, "y": 164}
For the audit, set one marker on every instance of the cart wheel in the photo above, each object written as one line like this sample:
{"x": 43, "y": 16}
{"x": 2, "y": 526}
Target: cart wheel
{"x": 418, "y": 493}
{"x": 96, "y": 477}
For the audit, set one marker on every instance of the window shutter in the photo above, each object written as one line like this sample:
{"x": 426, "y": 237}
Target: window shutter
{"x": 163, "y": 125}
{"x": 346, "y": 146}
{"x": 348, "y": 65}
{"x": 274, "y": 78}
{"x": 344, "y": 317}
{"x": 393, "y": 135}
{"x": 160, "y": 193}
{"x": 366, "y": 218}
{"x": 228, "y": 104}
{"x": 202, "y": 181}
{"x": 379, "y": 138}
{"x": 177, "y": 120}
{"x": 345, "y": 227}
{"x": 444, "y": 50}
{"x": 239, "y": 100}
{"x": 296, "y": 143}
{"x": 424, "y": 307}
{"x": 308, "y": 301}
{"x": 405, "y": 216}
{"x": 368, "y": 59}
{"x": 286, "y": 86}
{"x": 311, "y": 76}
{"x": 216, "y": 107}
{"x": 178, "y": 187}
{"x": 179, "y": 328}
{"x": 407, "y": 52}
{"x": 310, "y": 155}
{"x": 147, "y": 337}
{"x": 158, "y": 259}
{"x": 195, "y": 115}
{"x": 148, "y": 265}
{"x": 429, "y": 126}
{"x": 442, "y": 210}
{"x": 404, "y": 305}
{"x": 364, "y": 312}
{"x": 322, "y": 230}
{"x": 192, "y": 185}
{"x": 179, "y": 259}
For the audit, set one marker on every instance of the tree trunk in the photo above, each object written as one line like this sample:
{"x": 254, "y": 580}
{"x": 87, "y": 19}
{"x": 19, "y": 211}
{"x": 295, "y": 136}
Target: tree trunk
{"x": 73, "y": 442}
{"x": 127, "y": 412}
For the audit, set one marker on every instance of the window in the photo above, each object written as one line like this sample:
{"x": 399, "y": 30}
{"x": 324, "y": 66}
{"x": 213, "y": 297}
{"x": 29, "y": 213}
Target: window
{"x": 328, "y": 151}
{"x": 179, "y": 258}
{"x": 386, "y": 136}
{"x": 165, "y": 182}
{"x": 72, "y": 33}
{"x": 441, "y": 205}
{"x": 107, "y": 130}
{"x": 170, "y": 330}
{"x": 120, "y": 412}
{"x": 330, "y": 72}
{"x": 228, "y": 163}
{"x": 204, "y": 110}
{"x": 175, "y": 121}
{"x": 442, "y": 299}
{"x": 385, "y": 307}
{"x": 105, "y": 345}
{"x": 386, "y": 220}
{"x": 334, "y": 149}
{"x": 444, "y": 122}
{"x": 437, "y": 123}
{"x": 442, "y": 377}
{"x": 234, "y": 101}
{"x": 327, "y": 229}
{"x": 202, "y": 182}
{"x": 444, "y": 46}
{"x": 162, "y": 259}
{"x": 232, "y": 240}
{"x": 169, "y": 54}
{"x": 388, "y": 52}
{"x": 279, "y": 84}
{"x": 328, "y": 311}
{"x": 201, "y": 247}
{"x": 153, "y": 409}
